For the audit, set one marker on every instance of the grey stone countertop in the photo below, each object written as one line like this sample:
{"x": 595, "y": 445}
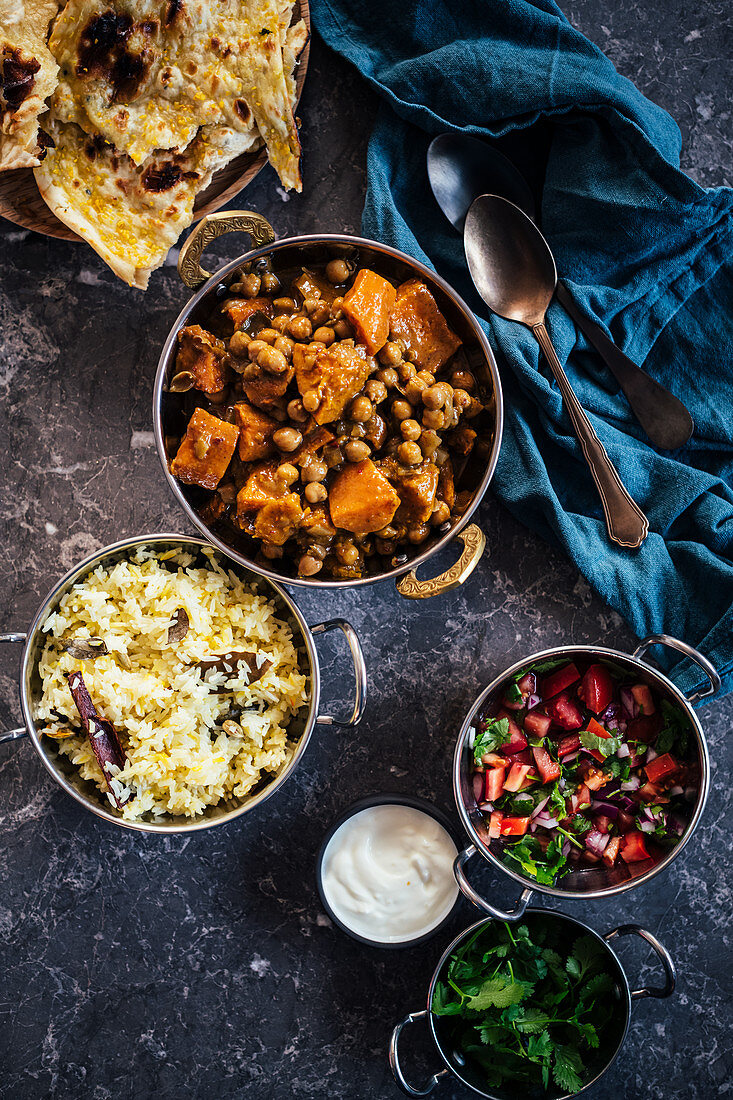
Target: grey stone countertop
{"x": 139, "y": 966}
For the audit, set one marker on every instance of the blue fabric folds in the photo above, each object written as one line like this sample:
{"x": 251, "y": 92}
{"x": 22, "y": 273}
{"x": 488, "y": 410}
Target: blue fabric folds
{"x": 644, "y": 249}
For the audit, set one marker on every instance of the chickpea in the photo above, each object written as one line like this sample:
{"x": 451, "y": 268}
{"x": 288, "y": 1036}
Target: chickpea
{"x": 361, "y": 409}
{"x": 317, "y": 551}
{"x": 452, "y": 416}
{"x": 281, "y": 322}
{"x": 441, "y": 513}
{"x": 272, "y": 552}
{"x": 299, "y": 327}
{"x": 308, "y": 566}
{"x": 433, "y": 418}
{"x": 409, "y": 453}
{"x": 346, "y": 552}
{"x": 376, "y": 391}
{"x": 320, "y": 314}
{"x": 287, "y": 439}
{"x": 255, "y": 347}
{"x": 249, "y": 286}
{"x": 463, "y": 380}
{"x": 461, "y": 399}
{"x": 425, "y": 377}
{"x": 429, "y": 442}
{"x": 228, "y": 492}
{"x": 270, "y": 282}
{"x": 384, "y": 547}
{"x": 375, "y": 430}
{"x": 401, "y": 410}
{"x": 414, "y": 391}
{"x": 273, "y": 361}
{"x": 287, "y": 473}
{"x": 406, "y": 371}
{"x": 388, "y": 377}
{"x": 390, "y": 355}
{"x": 411, "y": 429}
{"x": 284, "y": 305}
{"x": 296, "y": 411}
{"x": 251, "y": 371}
{"x": 473, "y": 409}
{"x": 314, "y": 471}
{"x": 239, "y": 343}
{"x": 315, "y": 492}
{"x": 435, "y": 397}
{"x": 336, "y": 310}
{"x": 332, "y": 456}
{"x": 311, "y": 400}
{"x": 268, "y": 335}
{"x": 310, "y": 304}
{"x": 324, "y": 335}
{"x": 278, "y": 412}
{"x": 337, "y": 271}
{"x": 343, "y": 329}
{"x": 418, "y": 533}
{"x": 356, "y": 450}
{"x": 388, "y": 532}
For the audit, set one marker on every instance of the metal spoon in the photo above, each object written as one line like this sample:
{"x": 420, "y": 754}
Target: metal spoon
{"x": 514, "y": 272}
{"x": 460, "y": 168}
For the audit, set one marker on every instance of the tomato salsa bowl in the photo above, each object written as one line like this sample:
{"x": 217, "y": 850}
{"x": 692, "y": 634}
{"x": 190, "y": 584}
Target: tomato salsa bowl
{"x": 581, "y": 772}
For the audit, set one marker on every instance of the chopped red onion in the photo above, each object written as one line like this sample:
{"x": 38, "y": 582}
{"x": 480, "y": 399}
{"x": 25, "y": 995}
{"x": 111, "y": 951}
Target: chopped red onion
{"x": 677, "y": 790}
{"x": 566, "y": 847}
{"x": 628, "y": 702}
{"x": 540, "y": 807}
{"x": 478, "y": 786}
{"x": 609, "y": 809}
{"x": 486, "y": 807}
{"x": 532, "y": 701}
{"x": 690, "y": 794}
{"x": 647, "y": 826}
{"x": 596, "y": 842}
{"x": 631, "y": 784}
{"x": 623, "y": 751}
{"x": 651, "y": 754}
{"x": 471, "y": 739}
{"x": 573, "y": 756}
{"x": 546, "y": 821}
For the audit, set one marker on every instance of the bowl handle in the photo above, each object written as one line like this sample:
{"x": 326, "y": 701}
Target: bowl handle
{"x": 216, "y": 225}
{"x": 360, "y": 673}
{"x": 394, "y": 1060}
{"x": 474, "y": 544}
{"x": 682, "y": 647}
{"x": 468, "y": 891}
{"x": 669, "y": 972}
{"x": 13, "y": 735}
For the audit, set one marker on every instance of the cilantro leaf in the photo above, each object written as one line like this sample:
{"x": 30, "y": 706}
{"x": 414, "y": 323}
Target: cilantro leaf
{"x": 539, "y": 1046}
{"x": 566, "y": 1069}
{"x": 617, "y": 769}
{"x": 676, "y": 731}
{"x": 499, "y": 993}
{"x": 489, "y": 739}
{"x": 542, "y": 866}
{"x": 606, "y": 746}
{"x": 443, "y": 1005}
{"x": 548, "y": 665}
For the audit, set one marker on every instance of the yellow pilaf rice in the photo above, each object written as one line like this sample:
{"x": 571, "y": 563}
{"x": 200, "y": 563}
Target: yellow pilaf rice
{"x": 179, "y": 761}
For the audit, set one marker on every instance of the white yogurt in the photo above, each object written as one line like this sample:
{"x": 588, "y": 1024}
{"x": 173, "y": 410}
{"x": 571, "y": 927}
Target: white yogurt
{"x": 387, "y": 873}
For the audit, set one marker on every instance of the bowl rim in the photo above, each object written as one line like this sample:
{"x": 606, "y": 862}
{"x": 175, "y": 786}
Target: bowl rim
{"x": 547, "y": 914}
{"x": 598, "y": 651}
{"x": 387, "y": 798}
{"x": 210, "y": 287}
{"x": 98, "y": 808}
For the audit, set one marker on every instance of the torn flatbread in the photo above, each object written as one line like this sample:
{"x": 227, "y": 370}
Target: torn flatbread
{"x": 27, "y": 78}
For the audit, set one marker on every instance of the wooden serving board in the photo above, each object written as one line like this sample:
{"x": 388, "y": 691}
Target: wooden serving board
{"x": 21, "y": 202}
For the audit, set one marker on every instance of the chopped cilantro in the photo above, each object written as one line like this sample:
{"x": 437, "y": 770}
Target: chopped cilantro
{"x": 543, "y": 866}
{"x": 494, "y": 734}
{"x": 606, "y": 746}
{"x": 675, "y": 733}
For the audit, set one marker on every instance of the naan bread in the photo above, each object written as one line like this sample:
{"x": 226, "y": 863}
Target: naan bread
{"x": 148, "y": 74}
{"x": 27, "y": 78}
{"x": 130, "y": 214}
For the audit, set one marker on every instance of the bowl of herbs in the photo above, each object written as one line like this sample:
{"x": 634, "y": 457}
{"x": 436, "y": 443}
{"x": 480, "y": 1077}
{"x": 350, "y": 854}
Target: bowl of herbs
{"x": 537, "y": 1008}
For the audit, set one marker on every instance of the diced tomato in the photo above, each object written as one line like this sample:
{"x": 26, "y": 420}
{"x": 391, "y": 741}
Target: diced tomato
{"x": 565, "y": 711}
{"x": 579, "y": 798}
{"x": 591, "y": 857}
{"x": 512, "y": 704}
{"x": 645, "y": 728}
{"x": 644, "y": 699}
{"x": 650, "y": 793}
{"x": 546, "y": 766}
{"x": 537, "y": 723}
{"x": 530, "y": 778}
{"x": 597, "y": 728}
{"x": 611, "y": 850}
{"x": 493, "y": 760}
{"x": 661, "y": 768}
{"x": 528, "y": 684}
{"x": 559, "y": 681}
{"x": 568, "y": 744}
{"x": 517, "y": 741}
{"x": 596, "y": 688}
{"x": 633, "y": 847}
{"x": 514, "y": 826}
{"x": 597, "y": 755}
{"x": 625, "y": 822}
{"x": 516, "y": 775}
{"x": 494, "y": 783}
{"x": 495, "y": 824}
{"x": 602, "y": 823}
{"x": 523, "y": 757}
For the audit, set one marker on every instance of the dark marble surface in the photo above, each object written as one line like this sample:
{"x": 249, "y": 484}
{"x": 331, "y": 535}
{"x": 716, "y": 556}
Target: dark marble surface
{"x": 204, "y": 966}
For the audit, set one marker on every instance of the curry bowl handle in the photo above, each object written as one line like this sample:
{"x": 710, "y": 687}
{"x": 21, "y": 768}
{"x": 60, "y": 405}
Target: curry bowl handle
{"x": 661, "y": 951}
{"x": 474, "y": 544}
{"x": 13, "y": 735}
{"x": 216, "y": 225}
{"x": 360, "y": 673}
{"x": 394, "y": 1060}
{"x": 689, "y": 651}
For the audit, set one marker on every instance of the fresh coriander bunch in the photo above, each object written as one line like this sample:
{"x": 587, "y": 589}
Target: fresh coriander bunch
{"x": 532, "y": 1011}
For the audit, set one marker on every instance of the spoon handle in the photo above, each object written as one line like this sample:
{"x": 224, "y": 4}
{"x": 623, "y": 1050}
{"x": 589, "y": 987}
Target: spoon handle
{"x": 663, "y": 417}
{"x": 627, "y": 525}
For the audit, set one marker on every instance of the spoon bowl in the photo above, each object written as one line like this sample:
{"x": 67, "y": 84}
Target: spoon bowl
{"x": 461, "y": 167}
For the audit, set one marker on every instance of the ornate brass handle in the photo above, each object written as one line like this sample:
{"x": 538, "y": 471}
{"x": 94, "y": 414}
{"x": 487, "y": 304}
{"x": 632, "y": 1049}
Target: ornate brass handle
{"x": 474, "y": 542}
{"x": 216, "y": 225}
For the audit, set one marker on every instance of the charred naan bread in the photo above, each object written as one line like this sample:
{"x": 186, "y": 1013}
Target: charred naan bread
{"x": 27, "y": 78}
{"x": 148, "y": 74}
{"x": 130, "y": 214}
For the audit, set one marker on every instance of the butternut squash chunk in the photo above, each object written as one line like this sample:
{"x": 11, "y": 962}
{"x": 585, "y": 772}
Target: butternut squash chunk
{"x": 336, "y": 375}
{"x": 202, "y": 355}
{"x": 312, "y": 442}
{"x": 367, "y": 306}
{"x": 361, "y": 499}
{"x": 416, "y": 487}
{"x": 446, "y": 484}
{"x": 263, "y": 486}
{"x": 277, "y": 521}
{"x": 239, "y": 310}
{"x": 417, "y": 321}
{"x": 206, "y": 450}
{"x": 256, "y": 430}
{"x": 266, "y": 391}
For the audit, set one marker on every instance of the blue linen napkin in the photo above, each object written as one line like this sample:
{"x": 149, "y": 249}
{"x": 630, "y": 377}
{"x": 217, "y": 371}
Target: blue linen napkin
{"x": 644, "y": 249}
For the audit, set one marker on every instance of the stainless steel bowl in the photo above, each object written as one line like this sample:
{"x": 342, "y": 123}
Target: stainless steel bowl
{"x": 300, "y": 729}
{"x": 291, "y": 253}
{"x": 595, "y": 882}
{"x": 602, "y": 1058}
